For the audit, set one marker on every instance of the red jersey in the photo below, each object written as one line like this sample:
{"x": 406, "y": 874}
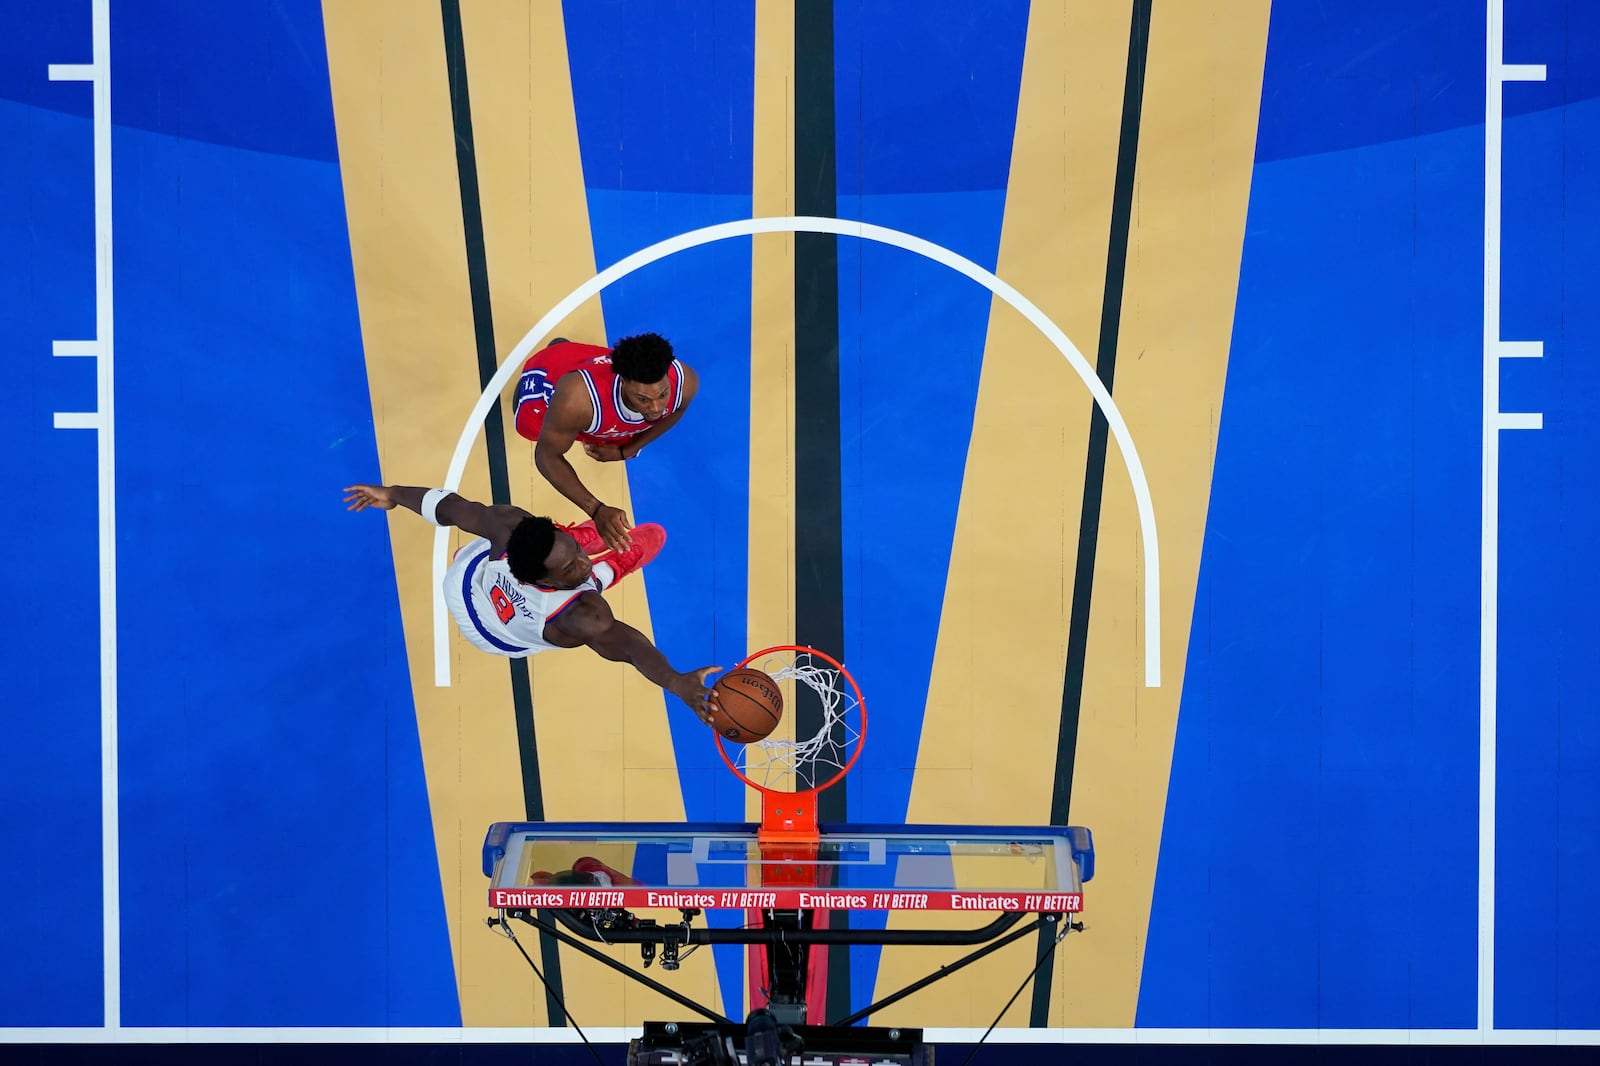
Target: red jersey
{"x": 613, "y": 422}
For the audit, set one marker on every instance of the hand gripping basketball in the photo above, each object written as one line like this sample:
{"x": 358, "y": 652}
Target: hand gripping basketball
{"x": 748, "y": 706}
{"x": 759, "y": 745}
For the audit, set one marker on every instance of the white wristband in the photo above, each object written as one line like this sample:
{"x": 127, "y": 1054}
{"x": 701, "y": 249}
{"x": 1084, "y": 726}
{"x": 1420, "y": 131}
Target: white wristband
{"x": 430, "y": 504}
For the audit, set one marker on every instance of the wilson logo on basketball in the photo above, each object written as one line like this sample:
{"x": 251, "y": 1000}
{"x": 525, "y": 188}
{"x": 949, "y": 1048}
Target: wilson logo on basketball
{"x": 748, "y": 705}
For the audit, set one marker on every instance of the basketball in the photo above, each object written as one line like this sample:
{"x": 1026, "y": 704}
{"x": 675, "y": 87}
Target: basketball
{"x": 751, "y": 706}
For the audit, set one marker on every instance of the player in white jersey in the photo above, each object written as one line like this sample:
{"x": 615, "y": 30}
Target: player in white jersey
{"x": 526, "y": 584}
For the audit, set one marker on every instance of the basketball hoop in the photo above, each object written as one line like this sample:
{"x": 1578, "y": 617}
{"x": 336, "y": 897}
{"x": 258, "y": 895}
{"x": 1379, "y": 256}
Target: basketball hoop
{"x": 793, "y": 879}
{"x": 789, "y": 773}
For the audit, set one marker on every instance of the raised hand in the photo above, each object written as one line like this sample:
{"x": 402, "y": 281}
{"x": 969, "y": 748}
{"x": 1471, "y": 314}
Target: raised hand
{"x": 363, "y": 496}
{"x": 691, "y": 689}
{"x": 612, "y": 524}
{"x": 604, "y": 453}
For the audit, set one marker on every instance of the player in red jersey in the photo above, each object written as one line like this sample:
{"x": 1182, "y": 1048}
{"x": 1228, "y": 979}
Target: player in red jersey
{"x": 615, "y": 400}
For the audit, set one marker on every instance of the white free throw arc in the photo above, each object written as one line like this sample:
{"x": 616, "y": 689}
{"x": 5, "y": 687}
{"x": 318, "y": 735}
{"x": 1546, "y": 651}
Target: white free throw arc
{"x": 804, "y": 224}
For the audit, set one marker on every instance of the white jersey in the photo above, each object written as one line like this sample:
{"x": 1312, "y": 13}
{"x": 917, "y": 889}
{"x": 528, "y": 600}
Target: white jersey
{"x": 497, "y": 613}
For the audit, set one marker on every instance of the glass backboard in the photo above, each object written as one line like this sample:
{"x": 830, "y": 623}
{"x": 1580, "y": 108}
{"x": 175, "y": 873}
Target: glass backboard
{"x": 559, "y": 866}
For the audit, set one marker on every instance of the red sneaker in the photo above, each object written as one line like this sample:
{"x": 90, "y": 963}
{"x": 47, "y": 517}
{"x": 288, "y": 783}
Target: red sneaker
{"x": 586, "y": 535}
{"x": 647, "y": 541}
{"x": 604, "y": 874}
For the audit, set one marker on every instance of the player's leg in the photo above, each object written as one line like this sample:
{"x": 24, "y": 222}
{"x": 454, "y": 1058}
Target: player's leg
{"x": 537, "y": 384}
{"x": 592, "y": 544}
{"x": 535, "y": 388}
{"x": 647, "y": 540}
{"x": 586, "y": 871}
{"x": 588, "y": 538}
{"x": 602, "y": 874}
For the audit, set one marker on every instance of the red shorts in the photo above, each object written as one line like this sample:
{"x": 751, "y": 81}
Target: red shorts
{"x": 538, "y": 381}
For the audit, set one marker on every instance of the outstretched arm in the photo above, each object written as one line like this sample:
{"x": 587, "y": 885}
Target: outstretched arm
{"x": 494, "y": 521}
{"x": 590, "y": 622}
{"x": 571, "y": 412}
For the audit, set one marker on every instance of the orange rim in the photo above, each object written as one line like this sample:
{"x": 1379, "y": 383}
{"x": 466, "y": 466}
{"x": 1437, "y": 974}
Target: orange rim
{"x": 861, "y": 733}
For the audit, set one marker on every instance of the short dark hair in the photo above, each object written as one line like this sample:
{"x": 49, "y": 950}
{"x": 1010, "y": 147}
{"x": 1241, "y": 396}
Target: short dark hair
{"x": 529, "y": 547}
{"x": 645, "y": 358}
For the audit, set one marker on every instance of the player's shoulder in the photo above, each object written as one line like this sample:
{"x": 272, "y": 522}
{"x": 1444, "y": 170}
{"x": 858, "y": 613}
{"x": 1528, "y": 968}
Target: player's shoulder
{"x": 579, "y": 388}
{"x": 688, "y": 380}
{"x": 587, "y": 617}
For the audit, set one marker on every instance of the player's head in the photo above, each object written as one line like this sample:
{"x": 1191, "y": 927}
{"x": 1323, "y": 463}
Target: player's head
{"x": 540, "y": 553}
{"x": 642, "y": 363}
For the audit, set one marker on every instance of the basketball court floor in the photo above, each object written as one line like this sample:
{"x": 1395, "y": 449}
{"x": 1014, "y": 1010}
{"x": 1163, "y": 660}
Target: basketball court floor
{"x": 1173, "y": 414}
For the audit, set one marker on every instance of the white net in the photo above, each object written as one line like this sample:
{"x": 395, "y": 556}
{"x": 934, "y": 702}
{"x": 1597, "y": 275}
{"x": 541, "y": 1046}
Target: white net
{"x": 796, "y": 763}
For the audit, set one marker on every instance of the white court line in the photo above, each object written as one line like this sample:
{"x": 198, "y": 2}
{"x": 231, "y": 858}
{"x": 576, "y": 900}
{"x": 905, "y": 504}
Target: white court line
{"x": 1489, "y": 592}
{"x": 1521, "y": 71}
{"x": 622, "y": 1034}
{"x": 1497, "y": 73}
{"x": 1361, "y": 1037}
{"x": 804, "y": 224}
{"x": 77, "y": 420}
{"x": 71, "y": 71}
{"x": 110, "y": 824}
{"x": 99, "y": 74}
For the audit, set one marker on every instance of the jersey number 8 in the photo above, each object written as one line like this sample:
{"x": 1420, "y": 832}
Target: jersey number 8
{"x": 502, "y": 604}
